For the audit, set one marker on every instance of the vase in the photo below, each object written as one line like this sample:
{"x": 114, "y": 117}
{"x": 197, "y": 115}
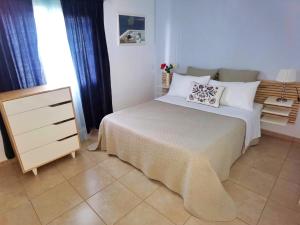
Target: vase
{"x": 166, "y": 80}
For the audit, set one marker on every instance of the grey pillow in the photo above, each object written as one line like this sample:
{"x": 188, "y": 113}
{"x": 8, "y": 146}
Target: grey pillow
{"x": 202, "y": 72}
{"x": 229, "y": 75}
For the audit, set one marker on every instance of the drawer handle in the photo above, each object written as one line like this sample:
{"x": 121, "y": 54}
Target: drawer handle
{"x": 63, "y": 121}
{"x": 73, "y": 135}
{"x": 61, "y": 103}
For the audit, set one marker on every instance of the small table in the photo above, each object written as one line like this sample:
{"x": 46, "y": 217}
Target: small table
{"x": 275, "y": 112}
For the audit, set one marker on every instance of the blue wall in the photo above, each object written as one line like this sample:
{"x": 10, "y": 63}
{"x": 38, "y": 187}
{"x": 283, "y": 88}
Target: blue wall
{"x": 253, "y": 34}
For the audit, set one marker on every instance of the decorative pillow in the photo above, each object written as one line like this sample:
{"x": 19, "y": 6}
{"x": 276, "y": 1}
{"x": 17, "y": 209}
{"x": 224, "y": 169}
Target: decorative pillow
{"x": 229, "y": 75}
{"x": 238, "y": 94}
{"x": 181, "y": 84}
{"x": 205, "y": 94}
{"x": 202, "y": 72}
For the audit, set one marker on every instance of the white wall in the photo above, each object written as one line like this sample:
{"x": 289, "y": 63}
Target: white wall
{"x": 2, "y": 154}
{"x": 258, "y": 35}
{"x": 132, "y": 67}
{"x": 164, "y": 50}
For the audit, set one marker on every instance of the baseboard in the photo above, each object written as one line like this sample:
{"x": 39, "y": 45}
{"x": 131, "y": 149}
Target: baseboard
{"x": 280, "y": 136}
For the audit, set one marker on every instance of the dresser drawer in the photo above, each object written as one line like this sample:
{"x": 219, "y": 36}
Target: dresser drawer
{"x": 39, "y": 118}
{"x": 47, "y": 153}
{"x": 36, "y": 101}
{"x": 43, "y": 136}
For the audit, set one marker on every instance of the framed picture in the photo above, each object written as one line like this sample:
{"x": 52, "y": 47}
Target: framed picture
{"x": 132, "y": 30}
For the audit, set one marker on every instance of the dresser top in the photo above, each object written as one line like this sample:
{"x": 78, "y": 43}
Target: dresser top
{"x": 21, "y": 93}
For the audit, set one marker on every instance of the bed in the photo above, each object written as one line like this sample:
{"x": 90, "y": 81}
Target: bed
{"x": 188, "y": 147}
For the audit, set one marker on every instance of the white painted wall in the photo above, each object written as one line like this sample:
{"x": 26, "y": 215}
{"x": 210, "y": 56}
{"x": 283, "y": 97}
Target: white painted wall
{"x": 2, "y": 154}
{"x": 164, "y": 50}
{"x": 132, "y": 67}
{"x": 258, "y": 35}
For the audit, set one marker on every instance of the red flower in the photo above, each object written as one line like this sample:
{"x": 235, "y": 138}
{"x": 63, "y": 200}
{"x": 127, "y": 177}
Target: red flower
{"x": 162, "y": 66}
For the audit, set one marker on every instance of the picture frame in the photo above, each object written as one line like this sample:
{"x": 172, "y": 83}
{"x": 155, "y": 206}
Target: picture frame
{"x": 131, "y": 29}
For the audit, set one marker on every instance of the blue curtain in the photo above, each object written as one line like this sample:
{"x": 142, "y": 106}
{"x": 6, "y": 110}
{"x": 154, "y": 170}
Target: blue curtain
{"x": 19, "y": 61}
{"x": 85, "y": 29}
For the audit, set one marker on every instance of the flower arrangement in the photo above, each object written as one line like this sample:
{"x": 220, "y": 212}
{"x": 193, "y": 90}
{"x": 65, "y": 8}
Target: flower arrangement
{"x": 167, "y": 68}
{"x": 167, "y": 74}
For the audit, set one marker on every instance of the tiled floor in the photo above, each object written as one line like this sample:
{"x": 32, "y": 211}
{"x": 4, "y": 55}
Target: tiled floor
{"x": 95, "y": 189}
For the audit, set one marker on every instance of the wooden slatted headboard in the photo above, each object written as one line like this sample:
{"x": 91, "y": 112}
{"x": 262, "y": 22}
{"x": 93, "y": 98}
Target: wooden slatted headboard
{"x": 266, "y": 88}
{"x": 272, "y": 88}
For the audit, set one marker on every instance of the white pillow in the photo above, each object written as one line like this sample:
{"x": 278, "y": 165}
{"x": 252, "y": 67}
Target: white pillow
{"x": 238, "y": 94}
{"x": 205, "y": 94}
{"x": 181, "y": 84}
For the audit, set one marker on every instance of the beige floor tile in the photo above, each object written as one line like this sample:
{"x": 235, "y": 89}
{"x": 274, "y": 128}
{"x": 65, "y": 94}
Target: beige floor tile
{"x": 290, "y": 171}
{"x": 258, "y": 182}
{"x": 48, "y": 177}
{"x": 10, "y": 171}
{"x": 113, "y": 202}
{"x": 295, "y": 152}
{"x": 139, "y": 184}
{"x": 10, "y": 186}
{"x": 250, "y": 157}
{"x": 116, "y": 167}
{"x": 80, "y": 215}
{"x": 248, "y": 203}
{"x": 169, "y": 204}
{"x": 196, "y": 221}
{"x": 286, "y": 194}
{"x": 274, "y": 214}
{"x": 84, "y": 144}
{"x": 274, "y": 141}
{"x": 144, "y": 215}
{"x": 22, "y": 215}
{"x": 12, "y": 195}
{"x": 260, "y": 161}
{"x": 96, "y": 156}
{"x": 12, "y": 201}
{"x": 55, "y": 202}
{"x": 90, "y": 181}
{"x": 69, "y": 167}
{"x": 273, "y": 147}
{"x": 269, "y": 165}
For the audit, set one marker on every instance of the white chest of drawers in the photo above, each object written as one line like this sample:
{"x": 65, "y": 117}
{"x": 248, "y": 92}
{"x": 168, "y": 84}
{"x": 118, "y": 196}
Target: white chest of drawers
{"x": 41, "y": 125}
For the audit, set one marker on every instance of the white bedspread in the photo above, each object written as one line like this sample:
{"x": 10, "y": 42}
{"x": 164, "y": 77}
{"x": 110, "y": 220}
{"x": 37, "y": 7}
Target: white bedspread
{"x": 252, "y": 118}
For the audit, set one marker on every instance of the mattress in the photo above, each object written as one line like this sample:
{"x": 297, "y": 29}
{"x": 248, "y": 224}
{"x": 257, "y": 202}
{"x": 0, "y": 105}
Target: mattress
{"x": 251, "y": 118}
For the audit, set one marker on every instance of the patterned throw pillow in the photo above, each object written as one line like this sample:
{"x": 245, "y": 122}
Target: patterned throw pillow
{"x": 205, "y": 94}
